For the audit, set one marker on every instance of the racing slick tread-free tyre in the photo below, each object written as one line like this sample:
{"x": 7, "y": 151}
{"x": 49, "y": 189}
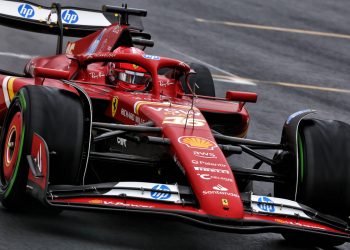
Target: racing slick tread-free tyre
{"x": 324, "y": 173}
{"x": 203, "y": 80}
{"x": 57, "y": 116}
{"x": 324, "y": 147}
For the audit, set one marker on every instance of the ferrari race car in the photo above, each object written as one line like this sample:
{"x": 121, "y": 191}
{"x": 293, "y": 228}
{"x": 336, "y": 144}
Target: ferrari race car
{"x": 106, "y": 126}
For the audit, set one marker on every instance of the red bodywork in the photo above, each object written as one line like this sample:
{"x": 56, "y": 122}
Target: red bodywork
{"x": 179, "y": 115}
{"x": 165, "y": 105}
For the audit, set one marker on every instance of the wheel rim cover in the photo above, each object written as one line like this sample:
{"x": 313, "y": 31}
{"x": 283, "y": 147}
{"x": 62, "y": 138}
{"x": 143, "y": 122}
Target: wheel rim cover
{"x": 12, "y": 145}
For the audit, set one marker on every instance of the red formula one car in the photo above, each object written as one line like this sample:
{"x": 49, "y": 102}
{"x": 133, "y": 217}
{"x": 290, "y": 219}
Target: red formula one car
{"x": 105, "y": 126}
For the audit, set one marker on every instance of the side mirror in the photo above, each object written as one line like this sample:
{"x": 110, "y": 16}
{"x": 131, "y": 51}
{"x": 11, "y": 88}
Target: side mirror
{"x": 51, "y": 73}
{"x": 241, "y": 96}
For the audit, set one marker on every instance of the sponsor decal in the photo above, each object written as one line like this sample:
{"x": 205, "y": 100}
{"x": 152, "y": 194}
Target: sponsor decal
{"x": 299, "y": 224}
{"x": 220, "y": 193}
{"x": 197, "y": 142}
{"x": 146, "y": 190}
{"x": 114, "y": 105}
{"x": 179, "y": 120}
{"x": 135, "y": 66}
{"x": 138, "y": 104}
{"x": 26, "y": 11}
{"x": 211, "y": 177}
{"x": 220, "y": 188}
{"x": 276, "y": 205}
{"x": 175, "y": 112}
{"x": 207, "y": 155}
{"x": 266, "y": 204}
{"x": 70, "y": 48}
{"x": 94, "y": 75}
{"x": 124, "y": 204}
{"x": 205, "y": 176}
{"x": 165, "y": 83}
{"x": 121, "y": 142}
{"x": 212, "y": 170}
{"x": 95, "y": 44}
{"x": 116, "y": 203}
{"x": 155, "y": 194}
{"x": 151, "y": 57}
{"x": 131, "y": 116}
{"x": 210, "y": 164}
{"x": 70, "y": 16}
{"x": 101, "y": 55}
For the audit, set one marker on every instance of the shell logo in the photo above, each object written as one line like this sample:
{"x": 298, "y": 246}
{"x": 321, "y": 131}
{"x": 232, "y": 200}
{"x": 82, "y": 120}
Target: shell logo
{"x": 197, "y": 142}
{"x": 95, "y": 201}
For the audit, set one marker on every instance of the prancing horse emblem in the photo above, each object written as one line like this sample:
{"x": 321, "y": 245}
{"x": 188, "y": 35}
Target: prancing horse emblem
{"x": 114, "y": 105}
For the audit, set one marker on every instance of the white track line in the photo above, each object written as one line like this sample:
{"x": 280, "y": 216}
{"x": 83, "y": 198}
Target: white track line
{"x": 274, "y": 28}
{"x": 240, "y": 81}
{"x": 21, "y": 56}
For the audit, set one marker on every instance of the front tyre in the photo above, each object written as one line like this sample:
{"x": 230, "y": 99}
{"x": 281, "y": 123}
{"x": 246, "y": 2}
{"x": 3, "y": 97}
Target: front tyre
{"x": 323, "y": 180}
{"x": 324, "y": 169}
{"x": 13, "y": 168}
{"x": 57, "y": 116}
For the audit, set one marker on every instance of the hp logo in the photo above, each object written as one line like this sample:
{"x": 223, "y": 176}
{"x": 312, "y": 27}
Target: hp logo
{"x": 151, "y": 57}
{"x": 266, "y": 204}
{"x": 26, "y": 11}
{"x": 70, "y": 16}
{"x": 160, "y": 195}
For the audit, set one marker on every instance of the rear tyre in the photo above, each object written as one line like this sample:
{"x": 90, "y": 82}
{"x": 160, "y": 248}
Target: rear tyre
{"x": 57, "y": 116}
{"x": 203, "y": 80}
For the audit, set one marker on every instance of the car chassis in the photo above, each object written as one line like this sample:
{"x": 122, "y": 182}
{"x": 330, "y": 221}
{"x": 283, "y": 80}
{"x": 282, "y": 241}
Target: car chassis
{"x": 149, "y": 149}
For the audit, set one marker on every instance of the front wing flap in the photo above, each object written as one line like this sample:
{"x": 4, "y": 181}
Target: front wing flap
{"x": 262, "y": 213}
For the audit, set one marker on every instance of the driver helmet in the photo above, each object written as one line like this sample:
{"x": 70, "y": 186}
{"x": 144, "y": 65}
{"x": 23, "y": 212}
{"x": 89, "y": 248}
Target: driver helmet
{"x": 128, "y": 76}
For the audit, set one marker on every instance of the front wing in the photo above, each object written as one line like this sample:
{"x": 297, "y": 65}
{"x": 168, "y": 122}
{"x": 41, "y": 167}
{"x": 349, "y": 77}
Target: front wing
{"x": 261, "y": 213}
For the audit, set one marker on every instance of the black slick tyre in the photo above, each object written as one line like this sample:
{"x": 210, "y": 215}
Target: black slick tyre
{"x": 323, "y": 181}
{"x": 57, "y": 116}
{"x": 203, "y": 80}
{"x": 324, "y": 169}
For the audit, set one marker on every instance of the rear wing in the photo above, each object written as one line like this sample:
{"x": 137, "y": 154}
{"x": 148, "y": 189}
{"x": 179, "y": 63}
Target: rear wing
{"x": 66, "y": 21}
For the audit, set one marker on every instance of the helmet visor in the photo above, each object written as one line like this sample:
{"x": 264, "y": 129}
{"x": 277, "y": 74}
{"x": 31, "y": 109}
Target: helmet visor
{"x": 132, "y": 77}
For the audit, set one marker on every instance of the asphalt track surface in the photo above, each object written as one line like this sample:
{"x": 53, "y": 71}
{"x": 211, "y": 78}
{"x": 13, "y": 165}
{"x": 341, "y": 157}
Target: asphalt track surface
{"x": 297, "y": 54}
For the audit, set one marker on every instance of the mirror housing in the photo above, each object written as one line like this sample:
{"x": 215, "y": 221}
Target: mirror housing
{"x": 239, "y": 96}
{"x": 51, "y": 73}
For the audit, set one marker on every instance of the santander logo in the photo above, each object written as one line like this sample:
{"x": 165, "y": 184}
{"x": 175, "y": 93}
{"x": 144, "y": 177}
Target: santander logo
{"x": 220, "y": 188}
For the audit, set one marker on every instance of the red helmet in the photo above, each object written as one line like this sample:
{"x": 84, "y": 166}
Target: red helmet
{"x": 128, "y": 76}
